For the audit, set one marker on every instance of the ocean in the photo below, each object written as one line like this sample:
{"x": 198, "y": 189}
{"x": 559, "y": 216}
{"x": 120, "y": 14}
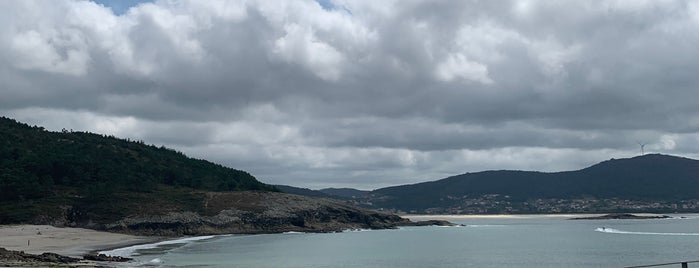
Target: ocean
{"x": 513, "y": 241}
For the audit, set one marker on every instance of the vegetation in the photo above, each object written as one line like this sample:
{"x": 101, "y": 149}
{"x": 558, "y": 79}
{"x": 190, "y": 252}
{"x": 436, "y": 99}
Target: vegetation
{"x": 302, "y": 191}
{"x": 648, "y": 177}
{"x": 42, "y": 170}
{"x": 344, "y": 192}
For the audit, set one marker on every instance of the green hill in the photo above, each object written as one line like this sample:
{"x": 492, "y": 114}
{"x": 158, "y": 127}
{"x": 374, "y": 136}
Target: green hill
{"x": 44, "y": 174}
{"x": 645, "y": 178}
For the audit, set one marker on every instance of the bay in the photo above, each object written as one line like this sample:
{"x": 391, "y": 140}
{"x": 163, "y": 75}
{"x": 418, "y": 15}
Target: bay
{"x": 512, "y": 241}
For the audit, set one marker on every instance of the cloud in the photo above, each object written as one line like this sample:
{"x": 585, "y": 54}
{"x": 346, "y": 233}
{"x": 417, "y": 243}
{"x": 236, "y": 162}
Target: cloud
{"x": 362, "y": 93}
{"x": 301, "y": 46}
{"x": 457, "y": 66}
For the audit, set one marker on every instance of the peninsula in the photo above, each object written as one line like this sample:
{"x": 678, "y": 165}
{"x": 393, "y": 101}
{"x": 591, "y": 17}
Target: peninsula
{"x": 85, "y": 180}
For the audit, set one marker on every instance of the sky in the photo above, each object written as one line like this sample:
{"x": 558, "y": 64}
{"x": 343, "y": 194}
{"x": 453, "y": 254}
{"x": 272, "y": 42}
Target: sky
{"x": 362, "y": 94}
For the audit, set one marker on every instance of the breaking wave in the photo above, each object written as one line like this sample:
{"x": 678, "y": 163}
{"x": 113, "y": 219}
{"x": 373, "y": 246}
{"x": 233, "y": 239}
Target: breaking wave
{"x": 617, "y": 231}
{"x": 293, "y": 232}
{"x": 355, "y": 230}
{"x": 132, "y": 250}
{"x": 692, "y": 217}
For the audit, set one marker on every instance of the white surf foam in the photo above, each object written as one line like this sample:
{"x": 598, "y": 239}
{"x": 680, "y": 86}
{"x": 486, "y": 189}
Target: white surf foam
{"x": 616, "y": 231}
{"x": 355, "y": 230}
{"x": 693, "y": 217}
{"x": 132, "y": 250}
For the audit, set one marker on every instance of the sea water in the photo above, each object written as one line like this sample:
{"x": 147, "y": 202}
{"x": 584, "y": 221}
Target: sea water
{"x": 522, "y": 241}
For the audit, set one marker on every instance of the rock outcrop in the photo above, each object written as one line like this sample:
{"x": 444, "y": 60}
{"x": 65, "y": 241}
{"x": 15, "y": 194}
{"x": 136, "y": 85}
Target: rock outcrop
{"x": 257, "y": 212}
{"x": 107, "y": 258}
{"x": 430, "y": 223}
{"x": 15, "y": 258}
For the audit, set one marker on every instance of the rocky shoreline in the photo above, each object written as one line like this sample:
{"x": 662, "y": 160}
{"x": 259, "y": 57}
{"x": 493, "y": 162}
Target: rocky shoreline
{"x": 228, "y": 213}
{"x": 431, "y": 223}
{"x": 621, "y": 216}
{"x": 255, "y": 213}
{"x": 15, "y": 258}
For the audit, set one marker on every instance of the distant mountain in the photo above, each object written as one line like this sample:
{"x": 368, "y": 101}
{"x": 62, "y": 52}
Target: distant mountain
{"x": 335, "y": 193}
{"x": 344, "y": 192}
{"x": 101, "y": 182}
{"x": 302, "y": 191}
{"x": 649, "y": 177}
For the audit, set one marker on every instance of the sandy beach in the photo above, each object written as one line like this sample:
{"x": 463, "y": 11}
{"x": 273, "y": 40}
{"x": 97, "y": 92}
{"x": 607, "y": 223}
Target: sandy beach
{"x": 74, "y": 242}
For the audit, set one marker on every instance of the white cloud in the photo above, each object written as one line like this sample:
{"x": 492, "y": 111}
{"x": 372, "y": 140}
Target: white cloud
{"x": 368, "y": 94}
{"x": 300, "y": 45}
{"x": 457, "y": 66}
{"x": 55, "y": 52}
{"x": 667, "y": 142}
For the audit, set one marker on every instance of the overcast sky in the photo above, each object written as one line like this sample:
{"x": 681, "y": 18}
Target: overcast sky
{"x": 362, "y": 94}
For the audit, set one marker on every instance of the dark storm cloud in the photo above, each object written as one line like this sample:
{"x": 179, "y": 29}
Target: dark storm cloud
{"x": 362, "y": 93}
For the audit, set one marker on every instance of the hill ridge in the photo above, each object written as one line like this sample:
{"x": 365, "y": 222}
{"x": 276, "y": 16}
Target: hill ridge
{"x": 94, "y": 181}
{"x": 644, "y": 178}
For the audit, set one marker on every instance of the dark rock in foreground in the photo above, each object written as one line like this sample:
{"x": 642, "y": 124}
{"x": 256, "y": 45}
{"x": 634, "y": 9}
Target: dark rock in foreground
{"x": 13, "y": 258}
{"x": 19, "y": 258}
{"x": 621, "y": 216}
{"x": 257, "y": 212}
{"x": 103, "y": 257}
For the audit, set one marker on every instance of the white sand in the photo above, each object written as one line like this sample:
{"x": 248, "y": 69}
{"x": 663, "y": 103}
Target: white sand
{"x": 65, "y": 241}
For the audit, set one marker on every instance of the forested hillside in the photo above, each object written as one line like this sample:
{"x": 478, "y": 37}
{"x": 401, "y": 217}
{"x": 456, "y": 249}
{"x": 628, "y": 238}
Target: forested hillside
{"x": 40, "y": 169}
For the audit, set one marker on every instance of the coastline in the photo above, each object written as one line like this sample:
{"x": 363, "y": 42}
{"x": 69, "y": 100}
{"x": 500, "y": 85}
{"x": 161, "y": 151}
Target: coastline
{"x": 73, "y": 242}
{"x": 128, "y": 250}
{"x": 77, "y": 242}
{"x": 488, "y": 216}
{"x": 415, "y": 217}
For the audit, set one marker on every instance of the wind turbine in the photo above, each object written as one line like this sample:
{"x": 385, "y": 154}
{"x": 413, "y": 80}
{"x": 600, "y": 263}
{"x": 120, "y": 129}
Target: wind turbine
{"x": 643, "y": 145}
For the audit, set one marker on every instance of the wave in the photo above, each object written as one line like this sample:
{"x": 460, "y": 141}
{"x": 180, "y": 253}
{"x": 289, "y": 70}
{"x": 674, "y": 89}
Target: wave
{"x": 132, "y": 250}
{"x": 470, "y": 225}
{"x": 693, "y": 217}
{"x": 617, "y": 231}
{"x": 355, "y": 230}
{"x": 293, "y": 232}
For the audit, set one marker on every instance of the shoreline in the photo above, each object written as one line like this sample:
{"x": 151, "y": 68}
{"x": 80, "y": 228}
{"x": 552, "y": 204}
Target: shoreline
{"x": 72, "y": 242}
{"x": 77, "y": 242}
{"x": 489, "y": 216}
{"x": 129, "y": 250}
{"x": 523, "y": 216}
